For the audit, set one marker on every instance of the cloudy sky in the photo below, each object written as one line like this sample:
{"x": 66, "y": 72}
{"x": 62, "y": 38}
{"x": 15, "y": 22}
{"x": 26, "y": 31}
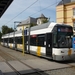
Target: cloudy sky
{"x": 20, "y": 10}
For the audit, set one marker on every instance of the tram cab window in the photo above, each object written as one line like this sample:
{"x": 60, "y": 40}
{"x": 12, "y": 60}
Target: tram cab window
{"x": 64, "y": 37}
{"x": 55, "y": 43}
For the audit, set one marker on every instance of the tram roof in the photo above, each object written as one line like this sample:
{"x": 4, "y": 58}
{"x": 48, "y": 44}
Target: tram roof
{"x": 46, "y": 25}
{"x": 42, "y": 26}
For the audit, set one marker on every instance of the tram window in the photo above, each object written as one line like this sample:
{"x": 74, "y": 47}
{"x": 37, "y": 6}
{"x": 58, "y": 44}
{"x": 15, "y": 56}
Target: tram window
{"x": 41, "y": 40}
{"x": 10, "y": 40}
{"x": 16, "y": 40}
{"x": 1, "y": 40}
{"x": 19, "y": 40}
{"x": 5, "y": 40}
{"x": 26, "y": 39}
{"x": 33, "y": 41}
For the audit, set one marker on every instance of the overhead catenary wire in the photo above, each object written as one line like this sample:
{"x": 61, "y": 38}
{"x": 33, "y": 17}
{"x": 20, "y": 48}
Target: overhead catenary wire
{"x": 21, "y": 12}
{"x": 44, "y": 8}
{"x": 33, "y": 13}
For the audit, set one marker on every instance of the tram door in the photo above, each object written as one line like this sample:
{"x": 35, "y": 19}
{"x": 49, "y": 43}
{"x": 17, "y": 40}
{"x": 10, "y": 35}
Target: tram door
{"x": 49, "y": 44}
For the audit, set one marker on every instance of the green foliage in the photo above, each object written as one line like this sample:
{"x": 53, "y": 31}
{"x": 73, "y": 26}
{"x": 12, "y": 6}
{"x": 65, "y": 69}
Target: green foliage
{"x": 6, "y": 29}
{"x": 32, "y": 24}
{"x": 45, "y": 20}
{"x": 0, "y": 36}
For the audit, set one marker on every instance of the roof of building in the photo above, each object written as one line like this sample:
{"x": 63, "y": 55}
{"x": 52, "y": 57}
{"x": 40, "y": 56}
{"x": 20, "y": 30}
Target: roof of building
{"x": 28, "y": 21}
{"x": 65, "y": 2}
{"x": 42, "y": 16}
{"x": 4, "y": 4}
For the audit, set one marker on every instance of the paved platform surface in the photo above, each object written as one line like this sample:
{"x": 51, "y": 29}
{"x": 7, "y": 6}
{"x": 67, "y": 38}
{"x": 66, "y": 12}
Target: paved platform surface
{"x": 43, "y": 64}
{"x": 21, "y": 67}
{"x": 6, "y": 69}
{"x": 33, "y": 61}
{"x": 40, "y": 64}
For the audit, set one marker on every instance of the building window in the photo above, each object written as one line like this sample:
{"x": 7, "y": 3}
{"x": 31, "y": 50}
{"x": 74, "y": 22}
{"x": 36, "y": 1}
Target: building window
{"x": 73, "y": 11}
{"x": 74, "y": 26}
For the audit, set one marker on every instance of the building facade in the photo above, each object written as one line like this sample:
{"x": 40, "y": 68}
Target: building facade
{"x": 26, "y": 23}
{"x": 41, "y": 19}
{"x": 65, "y": 12}
{"x": 31, "y": 22}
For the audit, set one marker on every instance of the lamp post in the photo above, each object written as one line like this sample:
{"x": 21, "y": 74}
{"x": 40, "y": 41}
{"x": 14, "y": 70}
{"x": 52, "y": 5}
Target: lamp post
{"x": 23, "y": 39}
{"x": 29, "y": 40}
{"x": 14, "y": 32}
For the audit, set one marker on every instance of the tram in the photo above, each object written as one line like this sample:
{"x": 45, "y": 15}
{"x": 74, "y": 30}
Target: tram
{"x": 49, "y": 40}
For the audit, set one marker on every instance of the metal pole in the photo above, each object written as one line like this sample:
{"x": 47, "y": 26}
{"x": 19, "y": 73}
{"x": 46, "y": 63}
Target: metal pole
{"x": 14, "y": 35}
{"x": 29, "y": 40}
{"x": 23, "y": 41}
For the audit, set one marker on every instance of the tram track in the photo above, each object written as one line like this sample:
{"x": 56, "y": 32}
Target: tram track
{"x": 8, "y": 57}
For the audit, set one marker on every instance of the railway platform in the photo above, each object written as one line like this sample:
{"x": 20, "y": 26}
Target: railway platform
{"x": 14, "y": 63}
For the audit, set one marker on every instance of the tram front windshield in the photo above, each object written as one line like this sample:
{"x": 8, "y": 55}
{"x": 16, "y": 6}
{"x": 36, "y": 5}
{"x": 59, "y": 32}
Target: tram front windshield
{"x": 64, "y": 37}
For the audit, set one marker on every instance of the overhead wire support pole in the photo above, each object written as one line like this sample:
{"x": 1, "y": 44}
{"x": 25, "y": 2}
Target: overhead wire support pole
{"x": 29, "y": 40}
{"x": 23, "y": 41}
{"x": 14, "y": 33}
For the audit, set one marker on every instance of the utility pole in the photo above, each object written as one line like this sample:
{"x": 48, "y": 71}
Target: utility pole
{"x": 14, "y": 33}
{"x": 29, "y": 40}
{"x": 23, "y": 40}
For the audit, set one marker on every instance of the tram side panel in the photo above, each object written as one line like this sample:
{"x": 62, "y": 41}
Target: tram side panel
{"x": 41, "y": 45}
{"x": 19, "y": 44}
{"x": 10, "y": 45}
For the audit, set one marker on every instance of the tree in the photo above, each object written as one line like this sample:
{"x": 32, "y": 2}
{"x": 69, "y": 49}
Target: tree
{"x": 32, "y": 24}
{"x": 45, "y": 20}
{"x": 0, "y": 36}
{"x": 6, "y": 29}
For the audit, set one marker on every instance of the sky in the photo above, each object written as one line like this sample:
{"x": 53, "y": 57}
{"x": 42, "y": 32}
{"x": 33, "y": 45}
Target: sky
{"x": 20, "y": 10}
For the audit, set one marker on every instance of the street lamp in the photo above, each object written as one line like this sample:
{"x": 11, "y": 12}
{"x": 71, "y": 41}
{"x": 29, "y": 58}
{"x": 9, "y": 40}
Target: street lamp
{"x": 14, "y": 32}
{"x": 15, "y": 23}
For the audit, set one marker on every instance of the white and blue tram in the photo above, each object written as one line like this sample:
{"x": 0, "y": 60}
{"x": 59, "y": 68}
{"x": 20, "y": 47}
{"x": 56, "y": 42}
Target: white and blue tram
{"x": 49, "y": 40}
